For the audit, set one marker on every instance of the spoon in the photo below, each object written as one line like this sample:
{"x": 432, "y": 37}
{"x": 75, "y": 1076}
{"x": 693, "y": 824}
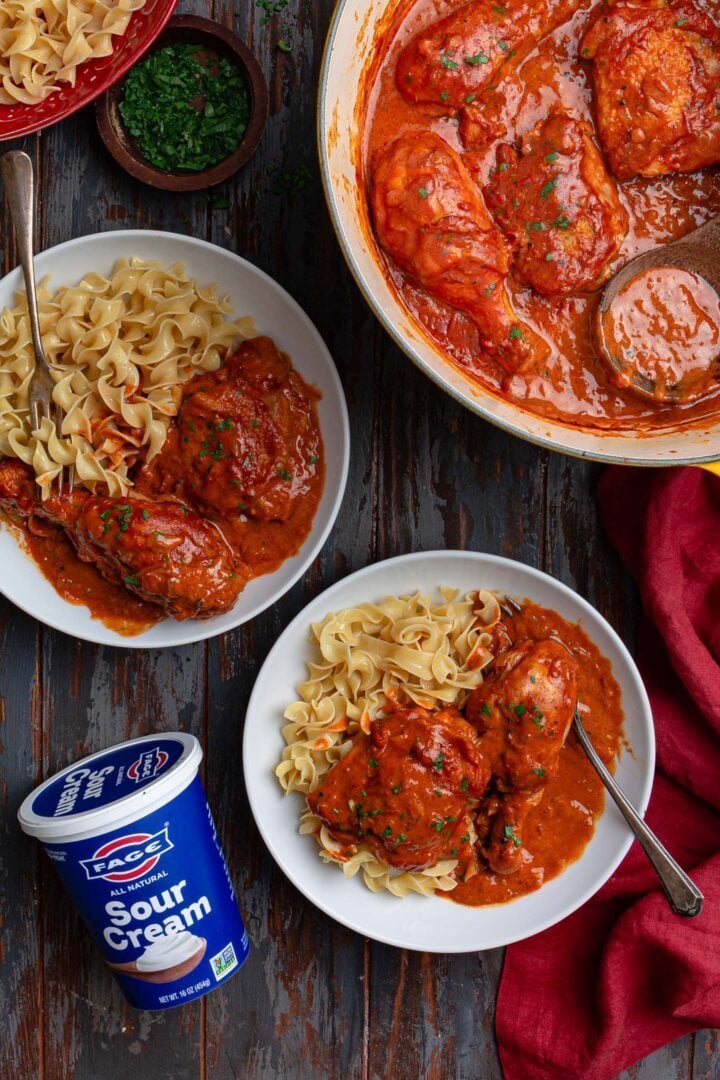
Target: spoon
{"x": 698, "y": 252}
{"x": 683, "y": 895}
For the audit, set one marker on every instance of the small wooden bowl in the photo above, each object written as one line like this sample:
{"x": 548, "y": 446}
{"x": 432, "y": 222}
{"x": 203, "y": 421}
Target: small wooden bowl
{"x": 188, "y": 29}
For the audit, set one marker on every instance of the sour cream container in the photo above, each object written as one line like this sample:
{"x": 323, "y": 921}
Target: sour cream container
{"x": 131, "y": 834}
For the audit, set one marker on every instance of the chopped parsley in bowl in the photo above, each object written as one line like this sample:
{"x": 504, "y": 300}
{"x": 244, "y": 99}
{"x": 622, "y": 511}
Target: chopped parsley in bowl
{"x": 191, "y": 112}
{"x": 186, "y": 106}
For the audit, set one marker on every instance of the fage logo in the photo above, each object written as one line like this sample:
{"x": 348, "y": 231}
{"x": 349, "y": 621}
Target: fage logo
{"x": 128, "y": 857}
{"x": 148, "y": 764}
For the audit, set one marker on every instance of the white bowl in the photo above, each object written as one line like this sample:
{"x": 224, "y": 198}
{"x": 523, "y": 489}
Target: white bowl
{"x": 433, "y": 924}
{"x": 349, "y": 47}
{"x": 275, "y": 313}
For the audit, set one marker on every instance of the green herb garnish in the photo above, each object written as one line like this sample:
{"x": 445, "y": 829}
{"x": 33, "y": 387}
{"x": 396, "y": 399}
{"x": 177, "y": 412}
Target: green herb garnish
{"x": 187, "y": 108}
{"x": 509, "y": 834}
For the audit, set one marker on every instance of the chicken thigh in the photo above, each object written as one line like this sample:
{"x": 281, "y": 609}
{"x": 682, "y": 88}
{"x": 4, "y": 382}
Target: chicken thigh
{"x": 656, "y": 69}
{"x": 558, "y": 207}
{"x": 404, "y": 789}
{"x": 158, "y": 548}
{"x": 523, "y": 711}
{"x": 449, "y": 62}
{"x": 431, "y": 220}
{"x": 244, "y": 442}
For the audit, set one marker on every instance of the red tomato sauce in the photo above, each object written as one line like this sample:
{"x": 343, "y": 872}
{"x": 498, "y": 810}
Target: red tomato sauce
{"x": 575, "y": 384}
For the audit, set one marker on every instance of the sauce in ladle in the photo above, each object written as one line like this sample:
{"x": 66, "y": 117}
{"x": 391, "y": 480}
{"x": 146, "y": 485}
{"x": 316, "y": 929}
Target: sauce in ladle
{"x": 661, "y": 335}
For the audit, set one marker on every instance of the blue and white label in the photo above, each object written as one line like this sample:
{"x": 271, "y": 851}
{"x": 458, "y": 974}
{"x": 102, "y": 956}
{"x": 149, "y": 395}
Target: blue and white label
{"x": 107, "y": 778}
{"x": 129, "y": 857}
{"x": 156, "y": 895}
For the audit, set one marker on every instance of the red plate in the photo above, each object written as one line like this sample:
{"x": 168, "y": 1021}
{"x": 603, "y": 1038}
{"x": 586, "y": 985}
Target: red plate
{"x": 93, "y": 78}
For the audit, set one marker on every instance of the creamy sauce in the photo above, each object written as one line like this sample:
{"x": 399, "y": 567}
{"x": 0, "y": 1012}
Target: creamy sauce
{"x": 575, "y": 385}
{"x": 664, "y": 327}
{"x": 557, "y": 831}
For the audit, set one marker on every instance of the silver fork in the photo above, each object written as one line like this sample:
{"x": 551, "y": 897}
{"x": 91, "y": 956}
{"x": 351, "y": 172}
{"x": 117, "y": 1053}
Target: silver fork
{"x": 17, "y": 172}
{"x": 683, "y": 895}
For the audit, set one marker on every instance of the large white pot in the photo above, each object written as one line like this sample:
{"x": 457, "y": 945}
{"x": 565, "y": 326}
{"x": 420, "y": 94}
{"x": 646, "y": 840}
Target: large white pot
{"x": 348, "y": 48}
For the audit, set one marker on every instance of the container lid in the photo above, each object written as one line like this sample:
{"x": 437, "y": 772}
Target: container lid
{"x": 112, "y": 788}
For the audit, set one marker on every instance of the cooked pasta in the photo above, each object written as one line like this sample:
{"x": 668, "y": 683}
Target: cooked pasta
{"x": 406, "y": 649}
{"x": 43, "y": 42}
{"x": 120, "y": 350}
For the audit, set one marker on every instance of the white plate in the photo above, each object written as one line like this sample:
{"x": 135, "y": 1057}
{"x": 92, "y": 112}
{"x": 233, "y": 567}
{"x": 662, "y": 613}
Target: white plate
{"x": 275, "y": 313}
{"x": 423, "y": 923}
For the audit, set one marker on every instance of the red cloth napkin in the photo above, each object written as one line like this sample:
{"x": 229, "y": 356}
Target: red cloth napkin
{"x": 624, "y": 975}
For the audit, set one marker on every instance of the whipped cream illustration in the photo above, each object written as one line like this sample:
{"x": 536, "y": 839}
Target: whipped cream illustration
{"x": 169, "y": 951}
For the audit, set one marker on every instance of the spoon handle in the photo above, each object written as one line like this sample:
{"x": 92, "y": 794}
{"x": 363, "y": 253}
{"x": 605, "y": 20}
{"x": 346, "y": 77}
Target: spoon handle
{"x": 17, "y": 173}
{"x": 685, "y": 898}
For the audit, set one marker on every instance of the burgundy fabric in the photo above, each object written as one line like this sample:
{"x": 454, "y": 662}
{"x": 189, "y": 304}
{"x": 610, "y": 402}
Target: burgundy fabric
{"x": 624, "y": 975}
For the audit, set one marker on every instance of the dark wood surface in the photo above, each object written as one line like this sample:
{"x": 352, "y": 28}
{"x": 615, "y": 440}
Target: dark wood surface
{"x": 314, "y": 1000}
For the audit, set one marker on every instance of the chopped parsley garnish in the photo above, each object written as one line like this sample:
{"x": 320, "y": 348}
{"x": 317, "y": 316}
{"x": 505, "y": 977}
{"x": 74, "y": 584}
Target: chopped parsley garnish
{"x": 533, "y": 679}
{"x": 397, "y": 789}
{"x": 503, "y": 166}
{"x": 486, "y": 709}
{"x": 131, "y": 580}
{"x": 539, "y": 772}
{"x": 313, "y": 459}
{"x": 454, "y": 851}
{"x": 561, "y": 222}
{"x": 547, "y": 188}
{"x": 187, "y": 107}
{"x": 444, "y": 95}
{"x": 681, "y": 22}
{"x": 516, "y": 332}
{"x": 373, "y": 763}
{"x": 387, "y": 832}
{"x": 105, "y": 514}
{"x": 465, "y": 839}
{"x": 550, "y": 256}
{"x": 490, "y": 288}
{"x": 509, "y": 834}
{"x": 438, "y": 826}
{"x": 284, "y": 475}
{"x": 145, "y": 515}
{"x": 470, "y": 98}
{"x": 422, "y": 192}
{"x": 503, "y": 45}
{"x": 438, "y": 763}
{"x": 448, "y": 63}
{"x": 519, "y": 710}
{"x": 402, "y": 837}
{"x": 552, "y": 157}
{"x": 464, "y": 784}
{"x": 478, "y": 58}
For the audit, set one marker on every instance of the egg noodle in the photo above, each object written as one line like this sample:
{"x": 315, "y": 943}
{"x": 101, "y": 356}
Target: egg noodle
{"x": 120, "y": 350}
{"x": 43, "y": 42}
{"x": 405, "y": 650}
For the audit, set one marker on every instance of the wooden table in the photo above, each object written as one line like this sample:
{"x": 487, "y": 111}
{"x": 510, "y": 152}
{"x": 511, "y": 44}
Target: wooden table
{"x": 314, "y": 1000}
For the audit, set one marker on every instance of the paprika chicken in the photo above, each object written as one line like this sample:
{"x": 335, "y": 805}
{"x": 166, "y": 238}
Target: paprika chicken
{"x": 230, "y": 495}
{"x": 426, "y": 786}
{"x": 431, "y": 219}
{"x": 161, "y": 550}
{"x": 546, "y": 118}
{"x": 656, "y": 70}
